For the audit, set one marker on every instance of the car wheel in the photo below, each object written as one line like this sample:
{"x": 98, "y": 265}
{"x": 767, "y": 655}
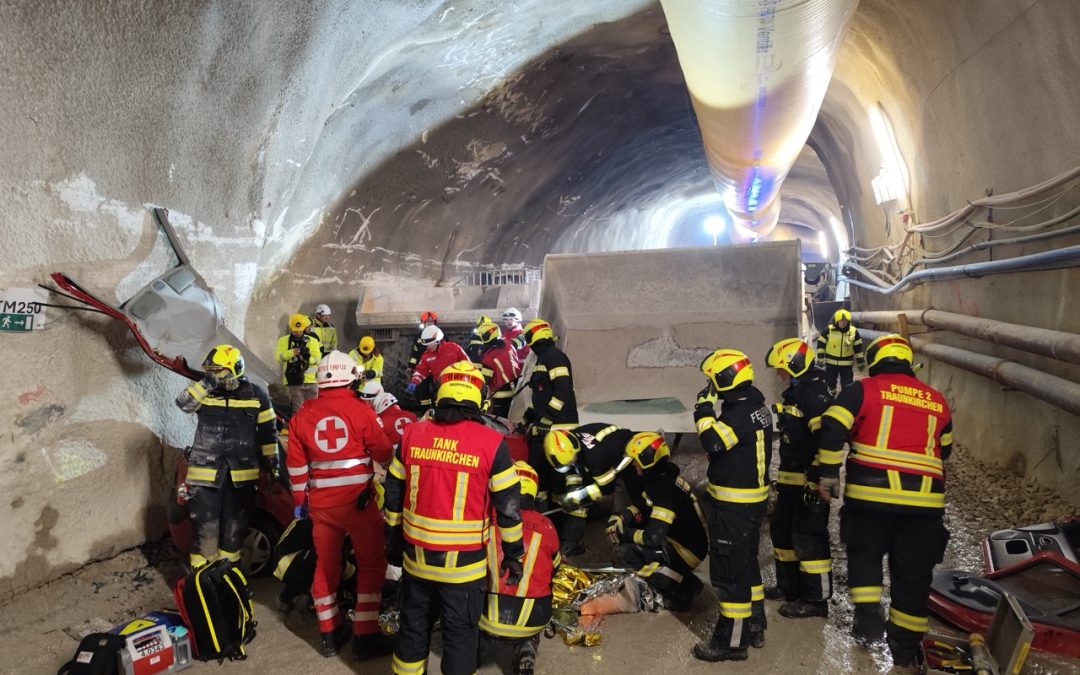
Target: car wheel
{"x": 262, "y": 539}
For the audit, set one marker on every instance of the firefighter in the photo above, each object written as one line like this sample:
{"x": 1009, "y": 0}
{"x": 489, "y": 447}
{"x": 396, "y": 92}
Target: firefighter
{"x": 394, "y": 419}
{"x": 501, "y": 367}
{"x": 324, "y": 330}
{"x": 236, "y": 433}
{"x": 838, "y": 347}
{"x": 800, "y": 520}
{"x": 298, "y": 352}
{"x": 440, "y": 353}
{"x": 662, "y": 534}
{"x": 738, "y": 441}
{"x": 554, "y": 405}
{"x": 333, "y": 440}
{"x": 475, "y": 348}
{"x": 520, "y": 612}
{"x": 445, "y": 479}
{"x": 511, "y": 331}
{"x": 586, "y": 461}
{"x": 368, "y": 357}
{"x": 427, "y": 318}
{"x": 900, "y": 432}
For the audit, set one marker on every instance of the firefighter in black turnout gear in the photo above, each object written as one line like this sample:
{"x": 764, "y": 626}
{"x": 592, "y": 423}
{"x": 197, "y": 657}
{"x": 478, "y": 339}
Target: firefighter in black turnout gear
{"x": 587, "y": 460}
{"x": 799, "y": 525}
{"x": 900, "y": 433}
{"x": 554, "y": 405}
{"x": 236, "y": 432}
{"x": 738, "y": 441}
{"x": 662, "y": 534}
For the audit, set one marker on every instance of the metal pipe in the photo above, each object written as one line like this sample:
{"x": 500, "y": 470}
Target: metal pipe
{"x": 1053, "y": 343}
{"x": 1056, "y": 391}
{"x": 1047, "y": 260}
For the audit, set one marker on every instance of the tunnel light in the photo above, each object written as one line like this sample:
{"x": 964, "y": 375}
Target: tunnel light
{"x": 714, "y": 226}
{"x": 893, "y": 181}
{"x": 839, "y": 235}
{"x": 823, "y": 244}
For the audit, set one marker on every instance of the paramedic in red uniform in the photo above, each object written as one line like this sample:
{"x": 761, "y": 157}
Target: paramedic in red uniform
{"x": 449, "y": 474}
{"x": 332, "y": 442}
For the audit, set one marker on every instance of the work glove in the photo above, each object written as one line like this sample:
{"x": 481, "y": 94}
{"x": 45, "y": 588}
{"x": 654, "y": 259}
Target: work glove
{"x": 300, "y": 512}
{"x": 706, "y": 397}
{"x": 395, "y": 546}
{"x": 512, "y": 569}
{"x": 411, "y": 388}
{"x": 574, "y": 499}
{"x": 614, "y": 531}
{"x": 827, "y": 488}
{"x": 810, "y": 496}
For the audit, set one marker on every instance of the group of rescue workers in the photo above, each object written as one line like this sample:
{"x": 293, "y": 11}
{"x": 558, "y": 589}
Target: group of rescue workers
{"x": 450, "y": 474}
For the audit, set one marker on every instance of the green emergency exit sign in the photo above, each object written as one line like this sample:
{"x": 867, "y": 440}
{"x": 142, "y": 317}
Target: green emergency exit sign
{"x": 16, "y": 322}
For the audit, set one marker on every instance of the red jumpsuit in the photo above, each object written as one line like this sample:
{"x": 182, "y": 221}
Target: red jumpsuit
{"x": 502, "y": 368}
{"x": 434, "y": 361}
{"x": 332, "y": 441}
{"x": 395, "y": 421}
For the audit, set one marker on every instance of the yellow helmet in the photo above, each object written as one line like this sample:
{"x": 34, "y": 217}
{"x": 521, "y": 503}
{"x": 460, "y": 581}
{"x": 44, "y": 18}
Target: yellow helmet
{"x": 561, "y": 448}
{"x": 299, "y": 322}
{"x": 647, "y": 448}
{"x": 888, "y": 348}
{"x": 224, "y": 358}
{"x": 537, "y": 329}
{"x": 727, "y": 369}
{"x": 487, "y": 333}
{"x": 367, "y": 345}
{"x": 841, "y": 315}
{"x": 792, "y": 355}
{"x": 460, "y": 384}
{"x": 527, "y": 478}
{"x": 484, "y": 318}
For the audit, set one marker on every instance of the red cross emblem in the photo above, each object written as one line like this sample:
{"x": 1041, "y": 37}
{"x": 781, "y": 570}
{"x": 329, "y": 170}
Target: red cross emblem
{"x": 331, "y": 434}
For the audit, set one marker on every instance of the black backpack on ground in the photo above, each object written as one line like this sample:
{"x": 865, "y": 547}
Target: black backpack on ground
{"x": 98, "y": 654}
{"x": 215, "y": 604}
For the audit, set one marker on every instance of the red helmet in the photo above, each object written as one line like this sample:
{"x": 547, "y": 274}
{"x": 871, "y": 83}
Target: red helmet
{"x": 429, "y": 317}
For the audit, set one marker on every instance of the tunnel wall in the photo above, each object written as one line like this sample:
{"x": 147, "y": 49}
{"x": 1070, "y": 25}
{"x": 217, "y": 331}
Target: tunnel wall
{"x": 982, "y": 97}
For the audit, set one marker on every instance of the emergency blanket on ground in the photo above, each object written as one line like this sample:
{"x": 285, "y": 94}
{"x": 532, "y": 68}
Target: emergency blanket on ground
{"x": 582, "y": 600}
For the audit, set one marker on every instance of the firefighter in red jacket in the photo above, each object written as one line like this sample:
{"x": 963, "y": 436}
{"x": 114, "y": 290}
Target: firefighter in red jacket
{"x": 332, "y": 442}
{"x": 900, "y": 433}
{"x": 439, "y": 353}
{"x": 442, "y": 485}
{"x": 519, "y": 612}
{"x": 501, "y": 367}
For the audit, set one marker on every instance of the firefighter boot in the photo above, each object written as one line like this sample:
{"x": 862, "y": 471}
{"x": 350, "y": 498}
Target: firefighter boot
{"x": 525, "y": 655}
{"x": 869, "y": 625}
{"x": 682, "y": 598}
{"x": 777, "y": 593}
{"x": 372, "y": 645}
{"x": 335, "y": 640}
{"x": 714, "y": 649}
{"x": 801, "y": 609}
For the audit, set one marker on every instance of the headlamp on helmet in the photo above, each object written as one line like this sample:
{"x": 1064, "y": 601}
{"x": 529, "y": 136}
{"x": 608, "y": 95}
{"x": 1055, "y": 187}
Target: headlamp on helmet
{"x": 224, "y": 362}
{"x": 727, "y": 369}
{"x": 791, "y": 355}
{"x": 299, "y": 322}
{"x": 561, "y": 448}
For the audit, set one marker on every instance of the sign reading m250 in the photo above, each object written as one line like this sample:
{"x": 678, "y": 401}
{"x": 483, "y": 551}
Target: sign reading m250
{"x": 19, "y": 307}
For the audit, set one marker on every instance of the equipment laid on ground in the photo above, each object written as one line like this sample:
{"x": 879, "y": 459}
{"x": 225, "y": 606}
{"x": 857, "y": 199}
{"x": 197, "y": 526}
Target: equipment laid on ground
{"x": 216, "y": 606}
{"x": 155, "y": 643}
{"x": 1002, "y": 651}
{"x": 98, "y": 654}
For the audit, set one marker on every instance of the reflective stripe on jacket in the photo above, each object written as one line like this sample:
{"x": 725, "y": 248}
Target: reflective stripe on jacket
{"x": 235, "y": 428}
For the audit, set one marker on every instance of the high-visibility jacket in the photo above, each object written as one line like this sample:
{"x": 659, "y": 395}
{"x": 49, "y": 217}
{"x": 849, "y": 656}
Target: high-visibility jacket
{"x": 395, "y": 421}
{"x": 799, "y": 421}
{"x": 602, "y": 458}
{"x": 310, "y": 353}
{"x": 665, "y": 504}
{"x": 326, "y": 333}
{"x": 837, "y": 347}
{"x": 554, "y": 403}
{"x": 523, "y": 610}
{"x": 235, "y": 428}
{"x": 434, "y": 361}
{"x": 332, "y": 441}
{"x": 373, "y": 362}
{"x": 501, "y": 367}
{"x": 900, "y": 431}
{"x": 441, "y": 487}
{"x": 739, "y": 444}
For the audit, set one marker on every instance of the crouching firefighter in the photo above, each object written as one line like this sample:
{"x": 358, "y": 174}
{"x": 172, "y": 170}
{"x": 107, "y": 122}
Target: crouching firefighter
{"x": 236, "y": 432}
{"x": 519, "y": 612}
{"x": 448, "y": 475}
{"x": 332, "y": 442}
{"x": 800, "y": 521}
{"x": 900, "y": 433}
{"x": 738, "y": 441}
{"x": 662, "y": 534}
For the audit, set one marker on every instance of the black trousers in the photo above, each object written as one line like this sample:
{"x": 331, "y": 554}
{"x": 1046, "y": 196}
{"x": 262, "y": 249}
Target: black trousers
{"x": 914, "y": 544}
{"x": 833, "y": 372}
{"x": 734, "y": 536}
{"x": 221, "y": 517}
{"x": 800, "y": 537}
{"x": 670, "y": 574}
{"x": 458, "y": 605}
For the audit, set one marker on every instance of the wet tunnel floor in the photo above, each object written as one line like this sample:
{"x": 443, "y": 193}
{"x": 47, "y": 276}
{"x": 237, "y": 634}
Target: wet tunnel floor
{"x": 38, "y": 629}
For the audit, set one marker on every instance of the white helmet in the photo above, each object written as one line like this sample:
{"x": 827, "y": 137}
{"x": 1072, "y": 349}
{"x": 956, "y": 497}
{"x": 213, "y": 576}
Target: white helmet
{"x": 431, "y": 335}
{"x": 336, "y": 369}
{"x": 511, "y": 314}
{"x": 322, "y": 309}
{"x": 384, "y": 401}
{"x": 371, "y": 390}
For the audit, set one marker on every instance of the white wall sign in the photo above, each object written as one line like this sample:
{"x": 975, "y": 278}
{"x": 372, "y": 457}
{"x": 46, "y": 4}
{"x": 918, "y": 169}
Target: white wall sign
{"x": 22, "y": 309}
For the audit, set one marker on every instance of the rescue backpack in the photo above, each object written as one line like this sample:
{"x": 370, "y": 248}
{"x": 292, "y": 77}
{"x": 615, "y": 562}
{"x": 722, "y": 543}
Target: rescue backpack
{"x": 98, "y": 654}
{"x": 215, "y": 603}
